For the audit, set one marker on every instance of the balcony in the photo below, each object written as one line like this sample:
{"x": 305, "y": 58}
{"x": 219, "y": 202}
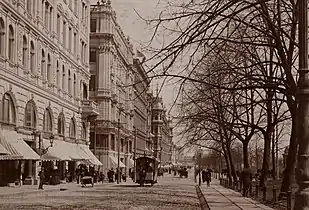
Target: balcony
{"x": 89, "y": 109}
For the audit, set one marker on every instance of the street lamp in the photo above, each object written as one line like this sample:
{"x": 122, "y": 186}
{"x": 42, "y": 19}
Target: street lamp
{"x": 302, "y": 170}
{"x": 51, "y": 140}
{"x": 118, "y": 173}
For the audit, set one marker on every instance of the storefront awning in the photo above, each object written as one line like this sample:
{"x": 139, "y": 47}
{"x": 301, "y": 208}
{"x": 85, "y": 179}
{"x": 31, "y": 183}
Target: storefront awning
{"x": 75, "y": 152}
{"x": 57, "y": 152}
{"x": 3, "y": 151}
{"x": 130, "y": 163}
{"x": 91, "y": 157}
{"x": 114, "y": 162}
{"x": 16, "y": 147}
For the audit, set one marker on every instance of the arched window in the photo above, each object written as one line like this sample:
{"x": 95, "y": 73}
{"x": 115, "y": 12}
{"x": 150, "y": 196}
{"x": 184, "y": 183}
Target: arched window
{"x": 11, "y": 43}
{"x": 85, "y": 91}
{"x": 32, "y": 57}
{"x": 43, "y": 70}
{"x": 84, "y": 131}
{"x": 30, "y": 115}
{"x": 72, "y": 130}
{"x": 47, "y": 121}
{"x": 8, "y": 109}
{"x": 49, "y": 69}
{"x": 2, "y": 37}
{"x": 61, "y": 124}
{"x": 58, "y": 75}
{"x": 69, "y": 82}
{"x": 63, "y": 77}
{"x": 74, "y": 86}
{"x": 25, "y": 52}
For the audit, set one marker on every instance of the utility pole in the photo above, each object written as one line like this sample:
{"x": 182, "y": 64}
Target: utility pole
{"x": 199, "y": 166}
{"x": 302, "y": 170}
{"x": 134, "y": 154}
{"x": 118, "y": 138}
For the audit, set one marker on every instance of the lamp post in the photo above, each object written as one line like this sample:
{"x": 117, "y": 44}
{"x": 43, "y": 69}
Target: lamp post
{"x": 118, "y": 173}
{"x": 199, "y": 166}
{"x": 302, "y": 170}
{"x": 134, "y": 153}
{"x": 43, "y": 151}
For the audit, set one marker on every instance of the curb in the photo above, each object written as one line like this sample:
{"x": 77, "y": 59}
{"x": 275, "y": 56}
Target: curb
{"x": 203, "y": 203}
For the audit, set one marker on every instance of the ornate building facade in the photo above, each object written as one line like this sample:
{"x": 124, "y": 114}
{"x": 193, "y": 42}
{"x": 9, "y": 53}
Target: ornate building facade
{"x": 161, "y": 130}
{"x": 112, "y": 77}
{"x": 142, "y": 124}
{"x": 44, "y": 77}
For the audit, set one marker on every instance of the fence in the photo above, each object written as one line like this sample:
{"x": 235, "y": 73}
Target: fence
{"x": 267, "y": 194}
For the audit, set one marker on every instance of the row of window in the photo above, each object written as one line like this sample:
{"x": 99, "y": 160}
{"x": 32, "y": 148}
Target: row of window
{"x": 69, "y": 38}
{"x": 65, "y": 79}
{"x": 102, "y": 141}
{"x": 9, "y": 116}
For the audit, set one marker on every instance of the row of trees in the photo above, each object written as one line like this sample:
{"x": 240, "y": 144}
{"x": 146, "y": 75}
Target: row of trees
{"x": 236, "y": 64}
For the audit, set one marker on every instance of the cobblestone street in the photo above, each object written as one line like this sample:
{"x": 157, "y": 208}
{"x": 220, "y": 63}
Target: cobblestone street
{"x": 170, "y": 193}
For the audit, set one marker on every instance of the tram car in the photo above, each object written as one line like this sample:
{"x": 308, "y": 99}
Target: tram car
{"x": 146, "y": 170}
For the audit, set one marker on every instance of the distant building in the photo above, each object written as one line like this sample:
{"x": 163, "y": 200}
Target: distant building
{"x": 141, "y": 107}
{"x": 44, "y": 76}
{"x": 161, "y": 130}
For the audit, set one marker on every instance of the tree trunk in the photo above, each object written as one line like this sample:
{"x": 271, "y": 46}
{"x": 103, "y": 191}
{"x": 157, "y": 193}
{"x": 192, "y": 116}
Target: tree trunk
{"x": 233, "y": 171}
{"x": 245, "y": 154}
{"x": 289, "y": 170}
{"x": 273, "y": 157}
{"x": 228, "y": 164}
{"x": 266, "y": 154}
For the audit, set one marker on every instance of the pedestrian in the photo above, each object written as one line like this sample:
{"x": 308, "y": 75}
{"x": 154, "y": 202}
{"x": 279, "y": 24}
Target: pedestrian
{"x": 208, "y": 177}
{"x": 42, "y": 178}
{"x": 204, "y": 176}
{"x": 246, "y": 178}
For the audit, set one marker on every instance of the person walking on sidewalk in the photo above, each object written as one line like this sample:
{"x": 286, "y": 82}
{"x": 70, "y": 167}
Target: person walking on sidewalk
{"x": 42, "y": 179}
{"x": 208, "y": 177}
{"x": 246, "y": 178}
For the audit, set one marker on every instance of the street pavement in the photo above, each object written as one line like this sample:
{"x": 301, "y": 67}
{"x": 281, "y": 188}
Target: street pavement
{"x": 170, "y": 193}
{"x": 219, "y": 198}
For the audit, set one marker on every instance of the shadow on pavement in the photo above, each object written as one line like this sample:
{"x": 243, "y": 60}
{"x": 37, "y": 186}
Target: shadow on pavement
{"x": 131, "y": 185}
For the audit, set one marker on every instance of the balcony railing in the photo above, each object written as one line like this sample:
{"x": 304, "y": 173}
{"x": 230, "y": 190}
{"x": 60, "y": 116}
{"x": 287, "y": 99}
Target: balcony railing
{"x": 89, "y": 109}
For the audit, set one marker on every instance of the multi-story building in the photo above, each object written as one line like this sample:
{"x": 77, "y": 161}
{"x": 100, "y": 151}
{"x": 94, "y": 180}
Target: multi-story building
{"x": 141, "y": 108}
{"x": 112, "y": 77}
{"x": 44, "y": 77}
{"x": 161, "y": 130}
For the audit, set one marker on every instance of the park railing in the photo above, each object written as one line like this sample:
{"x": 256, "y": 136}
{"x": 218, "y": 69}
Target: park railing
{"x": 268, "y": 194}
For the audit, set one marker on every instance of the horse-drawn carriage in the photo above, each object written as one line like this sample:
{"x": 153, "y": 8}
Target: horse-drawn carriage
{"x": 146, "y": 170}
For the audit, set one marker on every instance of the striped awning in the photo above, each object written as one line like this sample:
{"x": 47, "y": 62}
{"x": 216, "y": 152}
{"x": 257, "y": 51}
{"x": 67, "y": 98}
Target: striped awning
{"x": 91, "y": 157}
{"x": 3, "y": 151}
{"x": 57, "y": 152}
{"x": 76, "y": 153}
{"x": 16, "y": 147}
{"x": 114, "y": 162}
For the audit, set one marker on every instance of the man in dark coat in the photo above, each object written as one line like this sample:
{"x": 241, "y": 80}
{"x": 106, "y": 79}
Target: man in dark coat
{"x": 246, "y": 178}
{"x": 208, "y": 177}
{"x": 204, "y": 176}
{"x": 42, "y": 178}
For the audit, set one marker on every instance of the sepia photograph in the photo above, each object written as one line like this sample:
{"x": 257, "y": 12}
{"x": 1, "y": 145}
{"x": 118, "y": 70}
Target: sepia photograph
{"x": 154, "y": 105}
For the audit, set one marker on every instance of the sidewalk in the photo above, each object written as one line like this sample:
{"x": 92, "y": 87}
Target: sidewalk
{"x": 219, "y": 198}
{"x": 5, "y": 191}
